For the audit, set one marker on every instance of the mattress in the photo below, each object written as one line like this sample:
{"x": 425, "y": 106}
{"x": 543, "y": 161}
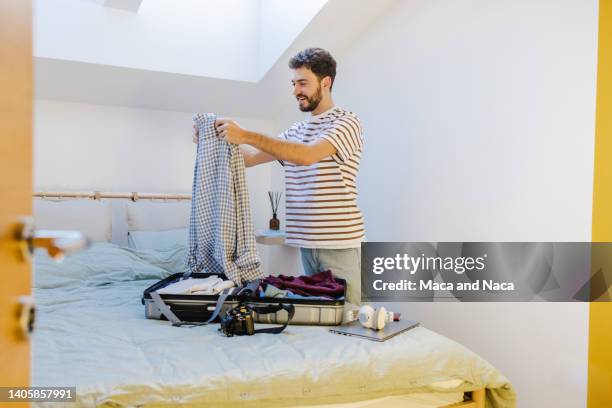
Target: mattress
{"x": 91, "y": 333}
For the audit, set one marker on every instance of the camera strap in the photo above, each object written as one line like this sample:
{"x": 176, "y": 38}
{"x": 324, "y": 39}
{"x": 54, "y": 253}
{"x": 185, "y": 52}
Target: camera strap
{"x": 273, "y": 309}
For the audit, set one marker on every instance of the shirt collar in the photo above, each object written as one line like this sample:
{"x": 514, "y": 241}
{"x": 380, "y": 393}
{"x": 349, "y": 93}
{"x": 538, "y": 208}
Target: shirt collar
{"x": 322, "y": 114}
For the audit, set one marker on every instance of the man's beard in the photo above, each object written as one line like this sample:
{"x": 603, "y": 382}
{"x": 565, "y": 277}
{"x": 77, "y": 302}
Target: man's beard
{"x": 313, "y": 101}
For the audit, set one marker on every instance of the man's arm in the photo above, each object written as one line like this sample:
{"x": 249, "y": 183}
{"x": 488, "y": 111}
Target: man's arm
{"x": 294, "y": 152}
{"x": 253, "y": 156}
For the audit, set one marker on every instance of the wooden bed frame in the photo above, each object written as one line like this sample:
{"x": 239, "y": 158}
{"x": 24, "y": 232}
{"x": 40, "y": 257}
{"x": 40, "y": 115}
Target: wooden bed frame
{"x": 476, "y": 400}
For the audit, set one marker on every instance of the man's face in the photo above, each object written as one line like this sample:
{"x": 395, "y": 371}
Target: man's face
{"x": 306, "y": 89}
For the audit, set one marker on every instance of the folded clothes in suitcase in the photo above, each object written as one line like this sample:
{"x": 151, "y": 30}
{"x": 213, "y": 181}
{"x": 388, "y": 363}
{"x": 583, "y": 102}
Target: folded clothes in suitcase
{"x": 198, "y": 307}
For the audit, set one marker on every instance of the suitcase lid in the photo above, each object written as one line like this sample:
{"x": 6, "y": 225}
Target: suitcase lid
{"x": 175, "y": 278}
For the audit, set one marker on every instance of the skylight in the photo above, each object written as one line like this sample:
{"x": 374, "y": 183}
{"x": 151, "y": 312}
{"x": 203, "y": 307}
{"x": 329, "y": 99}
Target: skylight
{"x": 229, "y": 39}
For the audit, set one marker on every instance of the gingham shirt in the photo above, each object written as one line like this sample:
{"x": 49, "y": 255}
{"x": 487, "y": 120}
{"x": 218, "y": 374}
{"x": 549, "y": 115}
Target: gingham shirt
{"x": 221, "y": 236}
{"x": 321, "y": 199}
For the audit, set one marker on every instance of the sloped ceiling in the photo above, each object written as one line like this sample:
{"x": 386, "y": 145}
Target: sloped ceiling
{"x": 336, "y": 25}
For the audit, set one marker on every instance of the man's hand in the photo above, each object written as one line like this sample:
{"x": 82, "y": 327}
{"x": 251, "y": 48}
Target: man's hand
{"x": 195, "y": 136}
{"x": 230, "y": 131}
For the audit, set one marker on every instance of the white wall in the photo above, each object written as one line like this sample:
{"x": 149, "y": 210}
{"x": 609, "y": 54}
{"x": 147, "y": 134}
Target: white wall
{"x": 88, "y": 147}
{"x": 489, "y": 107}
{"x": 479, "y": 126}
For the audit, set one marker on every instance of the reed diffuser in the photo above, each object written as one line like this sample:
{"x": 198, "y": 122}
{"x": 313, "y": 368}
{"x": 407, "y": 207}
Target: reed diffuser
{"x": 274, "y": 201}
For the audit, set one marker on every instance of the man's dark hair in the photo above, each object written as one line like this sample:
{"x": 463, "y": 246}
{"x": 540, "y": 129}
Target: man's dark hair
{"x": 318, "y": 60}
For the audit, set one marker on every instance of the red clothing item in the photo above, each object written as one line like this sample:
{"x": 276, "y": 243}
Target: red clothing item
{"x": 319, "y": 284}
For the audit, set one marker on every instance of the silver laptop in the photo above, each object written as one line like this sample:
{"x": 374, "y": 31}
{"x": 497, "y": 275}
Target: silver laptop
{"x": 391, "y": 329}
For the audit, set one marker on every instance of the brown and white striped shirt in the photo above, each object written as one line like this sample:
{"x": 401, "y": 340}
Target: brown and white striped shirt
{"x": 321, "y": 199}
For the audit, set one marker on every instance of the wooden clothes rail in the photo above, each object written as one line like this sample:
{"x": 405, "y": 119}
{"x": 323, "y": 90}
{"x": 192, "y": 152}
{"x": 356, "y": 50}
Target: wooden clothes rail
{"x": 98, "y": 195}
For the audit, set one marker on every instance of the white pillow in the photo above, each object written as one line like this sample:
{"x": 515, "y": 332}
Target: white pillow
{"x": 158, "y": 240}
{"x": 158, "y": 216}
{"x": 92, "y": 217}
{"x": 100, "y": 264}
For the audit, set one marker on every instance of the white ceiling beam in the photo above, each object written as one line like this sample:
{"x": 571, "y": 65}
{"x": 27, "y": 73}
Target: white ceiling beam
{"x": 127, "y": 5}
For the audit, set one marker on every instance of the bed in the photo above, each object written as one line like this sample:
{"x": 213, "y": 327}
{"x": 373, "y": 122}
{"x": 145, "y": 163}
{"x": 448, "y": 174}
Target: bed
{"x": 91, "y": 333}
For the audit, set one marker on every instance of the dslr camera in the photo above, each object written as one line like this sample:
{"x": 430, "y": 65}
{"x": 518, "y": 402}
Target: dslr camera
{"x": 238, "y": 322}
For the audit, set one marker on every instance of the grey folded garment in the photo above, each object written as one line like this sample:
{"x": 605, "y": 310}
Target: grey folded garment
{"x": 273, "y": 291}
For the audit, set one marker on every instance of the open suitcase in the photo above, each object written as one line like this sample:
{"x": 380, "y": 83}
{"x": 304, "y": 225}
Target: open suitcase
{"x": 200, "y": 308}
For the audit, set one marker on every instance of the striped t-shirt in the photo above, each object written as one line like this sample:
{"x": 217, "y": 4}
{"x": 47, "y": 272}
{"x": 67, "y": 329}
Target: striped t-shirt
{"x": 321, "y": 199}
